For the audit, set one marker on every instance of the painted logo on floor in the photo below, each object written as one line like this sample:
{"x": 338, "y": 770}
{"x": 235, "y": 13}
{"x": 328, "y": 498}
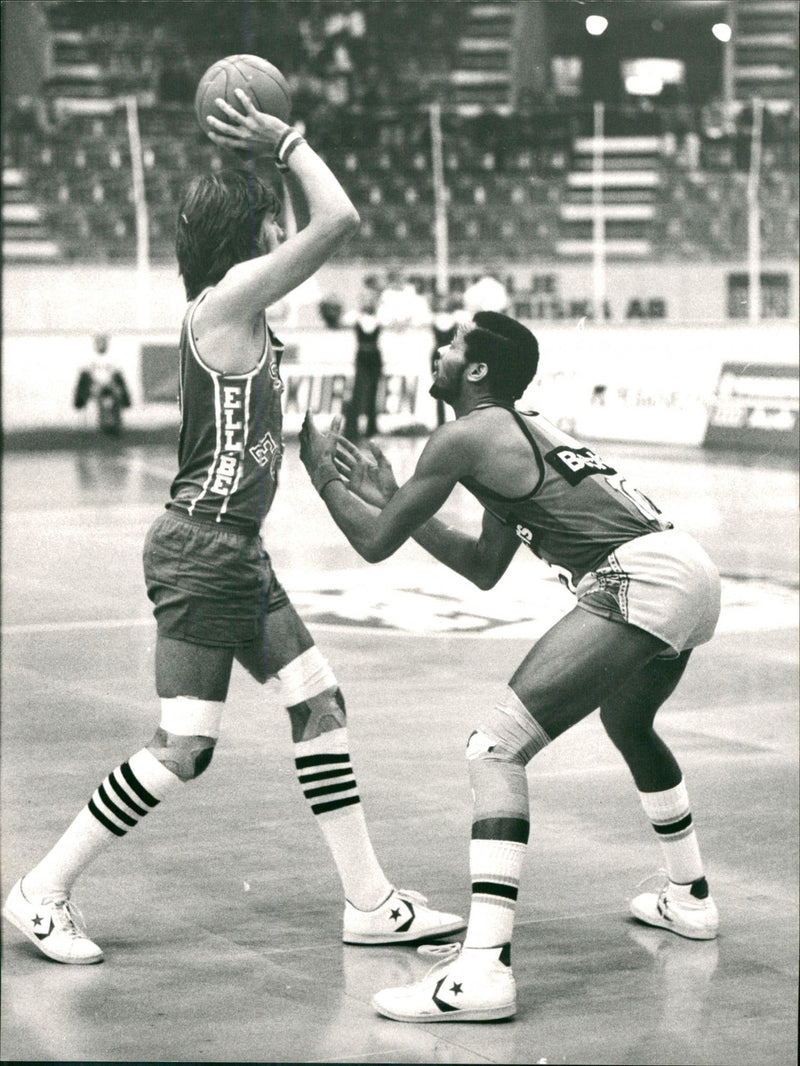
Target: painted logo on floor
{"x": 427, "y": 602}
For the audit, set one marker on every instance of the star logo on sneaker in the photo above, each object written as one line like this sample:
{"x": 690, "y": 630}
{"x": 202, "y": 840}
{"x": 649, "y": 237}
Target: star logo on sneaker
{"x": 440, "y": 1003}
{"x": 37, "y": 920}
{"x": 397, "y": 914}
{"x": 456, "y": 988}
{"x": 43, "y": 936}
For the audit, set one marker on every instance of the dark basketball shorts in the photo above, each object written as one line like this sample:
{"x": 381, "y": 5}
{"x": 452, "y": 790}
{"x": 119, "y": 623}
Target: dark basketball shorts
{"x": 209, "y": 584}
{"x": 663, "y": 583}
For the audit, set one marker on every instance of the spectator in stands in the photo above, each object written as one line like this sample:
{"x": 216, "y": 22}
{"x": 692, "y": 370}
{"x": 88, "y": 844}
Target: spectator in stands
{"x": 400, "y": 305}
{"x": 369, "y": 364}
{"x": 486, "y": 294}
{"x": 104, "y": 383}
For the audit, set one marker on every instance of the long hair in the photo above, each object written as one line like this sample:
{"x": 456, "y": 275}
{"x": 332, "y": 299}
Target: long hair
{"x": 219, "y": 222}
{"x": 509, "y": 349}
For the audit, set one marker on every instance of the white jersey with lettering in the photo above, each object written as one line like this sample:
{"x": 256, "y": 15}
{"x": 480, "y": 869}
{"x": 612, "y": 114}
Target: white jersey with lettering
{"x": 231, "y": 438}
{"x": 580, "y": 509}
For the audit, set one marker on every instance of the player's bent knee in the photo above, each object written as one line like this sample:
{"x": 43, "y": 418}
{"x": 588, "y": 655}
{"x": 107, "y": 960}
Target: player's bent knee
{"x": 317, "y": 715}
{"x": 186, "y": 757}
{"x": 509, "y": 734}
{"x": 312, "y": 696}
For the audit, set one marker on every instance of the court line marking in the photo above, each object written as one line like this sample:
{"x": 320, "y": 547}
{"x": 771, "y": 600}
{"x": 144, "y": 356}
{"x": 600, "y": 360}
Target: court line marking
{"x": 32, "y": 628}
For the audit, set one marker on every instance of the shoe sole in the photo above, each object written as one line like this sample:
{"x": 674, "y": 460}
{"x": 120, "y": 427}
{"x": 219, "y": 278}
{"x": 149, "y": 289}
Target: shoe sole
{"x": 410, "y": 937}
{"x": 477, "y": 1014}
{"x": 694, "y": 934}
{"x": 18, "y": 924}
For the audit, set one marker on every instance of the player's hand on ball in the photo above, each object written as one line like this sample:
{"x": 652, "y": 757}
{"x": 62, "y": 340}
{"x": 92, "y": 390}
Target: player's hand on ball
{"x": 317, "y": 451}
{"x": 254, "y": 130}
{"x": 371, "y": 478}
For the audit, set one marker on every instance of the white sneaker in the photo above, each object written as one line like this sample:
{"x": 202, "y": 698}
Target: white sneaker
{"x": 54, "y": 924}
{"x": 454, "y": 990}
{"x": 676, "y": 909}
{"x": 400, "y": 919}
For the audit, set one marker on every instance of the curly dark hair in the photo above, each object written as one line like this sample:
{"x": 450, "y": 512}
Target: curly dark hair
{"x": 219, "y": 221}
{"x": 509, "y": 349}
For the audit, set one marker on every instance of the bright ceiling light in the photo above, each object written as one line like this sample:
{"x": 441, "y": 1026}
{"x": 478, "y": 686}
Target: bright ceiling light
{"x": 721, "y": 31}
{"x": 596, "y": 25}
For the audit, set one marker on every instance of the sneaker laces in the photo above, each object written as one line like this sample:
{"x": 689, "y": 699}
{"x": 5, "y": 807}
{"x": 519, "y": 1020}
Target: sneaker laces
{"x": 411, "y": 896}
{"x": 67, "y": 917}
{"x": 442, "y": 952}
{"x": 445, "y": 954}
{"x": 660, "y": 878}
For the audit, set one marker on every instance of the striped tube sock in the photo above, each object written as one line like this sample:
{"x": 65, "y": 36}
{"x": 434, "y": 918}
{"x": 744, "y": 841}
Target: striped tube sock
{"x": 326, "y": 776}
{"x": 671, "y": 817}
{"x": 129, "y": 792}
{"x": 495, "y": 867}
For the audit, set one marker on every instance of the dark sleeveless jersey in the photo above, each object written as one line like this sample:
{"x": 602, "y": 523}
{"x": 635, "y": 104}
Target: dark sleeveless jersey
{"x": 231, "y": 438}
{"x": 580, "y": 509}
{"x": 368, "y": 348}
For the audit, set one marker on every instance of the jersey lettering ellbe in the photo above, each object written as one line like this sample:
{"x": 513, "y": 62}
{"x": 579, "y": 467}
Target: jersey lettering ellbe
{"x": 231, "y": 440}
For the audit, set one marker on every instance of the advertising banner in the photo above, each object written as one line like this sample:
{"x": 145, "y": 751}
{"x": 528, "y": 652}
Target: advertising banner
{"x": 634, "y": 384}
{"x": 756, "y": 406}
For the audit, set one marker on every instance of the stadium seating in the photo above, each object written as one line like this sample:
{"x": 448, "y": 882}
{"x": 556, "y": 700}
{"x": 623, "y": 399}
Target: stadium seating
{"x": 519, "y": 183}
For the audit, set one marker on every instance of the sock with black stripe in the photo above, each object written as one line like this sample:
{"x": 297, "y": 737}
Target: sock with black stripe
{"x": 671, "y": 818}
{"x": 326, "y": 776}
{"x": 130, "y": 792}
{"x": 495, "y": 867}
{"x": 500, "y": 829}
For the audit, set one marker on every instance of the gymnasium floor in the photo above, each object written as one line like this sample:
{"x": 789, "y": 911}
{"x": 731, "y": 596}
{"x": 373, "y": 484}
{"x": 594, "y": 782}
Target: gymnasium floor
{"x": 220, "y": 916}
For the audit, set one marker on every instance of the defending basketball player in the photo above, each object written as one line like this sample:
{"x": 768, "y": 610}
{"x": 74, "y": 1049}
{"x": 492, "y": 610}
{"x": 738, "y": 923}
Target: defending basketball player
{"x": 216, "y": 598}
{"x": 646, "y": 595}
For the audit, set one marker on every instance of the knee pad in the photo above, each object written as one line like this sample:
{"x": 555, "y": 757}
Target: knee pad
{"x": 510, "y": 733}
{"x": 312, "y": 696}
{"x": 186, "y": 756}
{"x": 497, "y": 754}
{"x": 187, "y": 733}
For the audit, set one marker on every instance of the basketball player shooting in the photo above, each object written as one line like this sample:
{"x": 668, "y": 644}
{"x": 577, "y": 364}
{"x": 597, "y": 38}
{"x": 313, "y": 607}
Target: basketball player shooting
{"x": 646, "y": 595}
{"x": 215, "y": 595}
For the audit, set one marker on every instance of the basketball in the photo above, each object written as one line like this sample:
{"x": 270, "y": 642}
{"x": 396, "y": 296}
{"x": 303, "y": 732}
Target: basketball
{"x": 262, "y": 81}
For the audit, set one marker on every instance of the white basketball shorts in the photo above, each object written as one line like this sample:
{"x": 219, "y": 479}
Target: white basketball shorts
{"x": 663, "y": 583}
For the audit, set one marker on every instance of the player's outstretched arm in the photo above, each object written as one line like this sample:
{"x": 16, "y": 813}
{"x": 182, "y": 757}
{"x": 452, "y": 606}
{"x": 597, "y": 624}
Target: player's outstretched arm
{"x": 377, "y": 536}
{"x": 251, "y": 286}
{"x": 482, "y": 561}
{"x": 410, "y": 510}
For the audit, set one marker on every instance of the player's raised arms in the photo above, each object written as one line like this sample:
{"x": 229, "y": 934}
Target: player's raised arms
{"x": 250, "y": 286}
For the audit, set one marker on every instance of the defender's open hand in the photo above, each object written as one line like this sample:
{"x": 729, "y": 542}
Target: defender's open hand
{"x": 317, "y": 451}
{"x": 371, "y": 478}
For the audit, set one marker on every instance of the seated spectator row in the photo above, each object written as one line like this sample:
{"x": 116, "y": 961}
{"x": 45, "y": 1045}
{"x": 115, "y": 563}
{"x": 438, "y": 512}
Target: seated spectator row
{"x": 502, "y": 193}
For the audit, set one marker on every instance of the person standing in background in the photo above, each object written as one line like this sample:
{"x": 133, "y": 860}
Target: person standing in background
{"x": 104, "y": 383}
{"x": 368, "y": 368}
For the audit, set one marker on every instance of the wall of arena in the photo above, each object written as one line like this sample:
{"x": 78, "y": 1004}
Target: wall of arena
{"x": 84, "y": 298}
{"x": 714, "y": 383}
